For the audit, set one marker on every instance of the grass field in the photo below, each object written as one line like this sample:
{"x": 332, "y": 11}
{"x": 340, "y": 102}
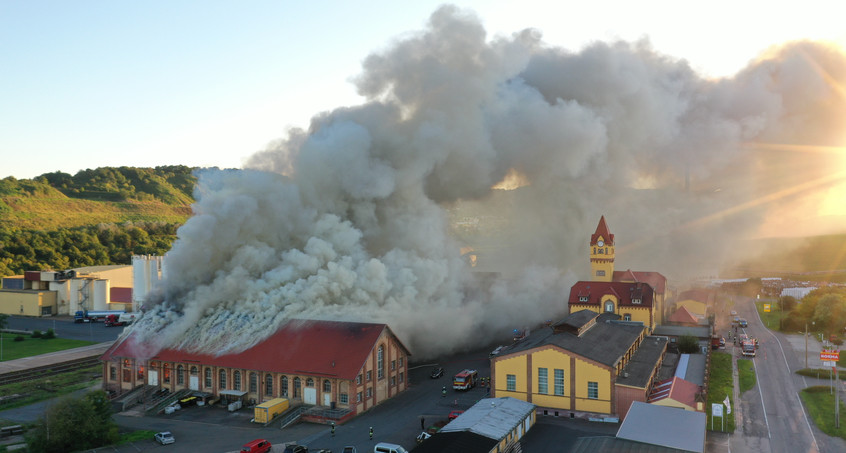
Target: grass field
{"x": 719, "y": 386}
{"x": 40, "y": 389}
{"x": 746, "y": 374}
{"x": 34, "y": 346}
{"x": 820, "y": 403}
{"x": 771, "y": 319}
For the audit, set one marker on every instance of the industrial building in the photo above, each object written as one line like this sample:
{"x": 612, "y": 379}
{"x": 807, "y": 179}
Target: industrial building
{"x": 349, "y": 367}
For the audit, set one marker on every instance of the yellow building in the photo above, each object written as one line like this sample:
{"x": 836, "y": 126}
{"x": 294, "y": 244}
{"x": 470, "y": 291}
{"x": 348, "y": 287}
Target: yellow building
{"x": 27, "y": 302}
{"x": 588, "y": 363}
{"x": 695, "y": 301}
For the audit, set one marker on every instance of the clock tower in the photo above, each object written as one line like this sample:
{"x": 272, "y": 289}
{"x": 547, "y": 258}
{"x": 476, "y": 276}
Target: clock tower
{"x": 602, "y": 253}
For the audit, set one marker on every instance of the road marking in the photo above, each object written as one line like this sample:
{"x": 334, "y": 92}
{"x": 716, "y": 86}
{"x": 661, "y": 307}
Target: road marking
{"x": 761, "y": 394}
{"x": 804, "y": 409}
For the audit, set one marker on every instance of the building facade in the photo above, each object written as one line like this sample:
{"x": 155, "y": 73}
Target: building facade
{"x": 345, "y": 365}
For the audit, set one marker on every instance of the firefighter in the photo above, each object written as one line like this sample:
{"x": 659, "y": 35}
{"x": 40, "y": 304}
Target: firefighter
{"x": 333, "y": 429}
{"x": 443, "y": 392}
{"x": 371, "y": 433}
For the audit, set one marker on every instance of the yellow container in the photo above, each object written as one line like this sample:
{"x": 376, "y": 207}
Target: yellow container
{"x": 269, "y": 409}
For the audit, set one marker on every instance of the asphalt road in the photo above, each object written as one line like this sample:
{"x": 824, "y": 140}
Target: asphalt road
{"x": 771, "y": 417}
{"x": 64, "y": 327}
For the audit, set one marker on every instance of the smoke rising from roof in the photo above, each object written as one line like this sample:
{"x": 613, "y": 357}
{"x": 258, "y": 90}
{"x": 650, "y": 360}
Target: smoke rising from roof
{"x": 348, "y": 220}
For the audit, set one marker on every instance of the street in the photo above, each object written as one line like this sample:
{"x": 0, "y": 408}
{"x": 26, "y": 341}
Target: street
{"x": 64, "y": 327}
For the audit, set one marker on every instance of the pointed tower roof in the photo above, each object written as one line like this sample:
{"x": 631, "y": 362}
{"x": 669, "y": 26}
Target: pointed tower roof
{"x": 602, "y": 230}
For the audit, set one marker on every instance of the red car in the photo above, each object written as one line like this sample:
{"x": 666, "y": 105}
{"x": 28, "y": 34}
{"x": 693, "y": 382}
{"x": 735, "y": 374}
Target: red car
{"x": 454, "y": 414}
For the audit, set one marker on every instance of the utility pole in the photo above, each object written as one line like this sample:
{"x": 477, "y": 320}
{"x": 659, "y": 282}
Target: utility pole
{"x": 806, "y": 345}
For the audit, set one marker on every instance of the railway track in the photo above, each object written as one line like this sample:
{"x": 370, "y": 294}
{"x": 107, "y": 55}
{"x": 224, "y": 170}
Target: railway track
{"x": 48, "y": 370}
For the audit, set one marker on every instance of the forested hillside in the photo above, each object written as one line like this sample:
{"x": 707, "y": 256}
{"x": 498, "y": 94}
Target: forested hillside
{"x": 96, "y": 217}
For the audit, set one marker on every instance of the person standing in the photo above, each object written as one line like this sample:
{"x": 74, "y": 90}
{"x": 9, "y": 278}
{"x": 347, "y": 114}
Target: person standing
{"x": 371, "y": 433}
{"x": 443, "y": 392}
{"x": 333, "y": 429}
{"x": 422, "y": 423}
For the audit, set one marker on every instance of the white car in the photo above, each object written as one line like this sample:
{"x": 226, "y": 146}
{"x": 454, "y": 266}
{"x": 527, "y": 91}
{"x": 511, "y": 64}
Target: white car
{"x": 165, "y": 437}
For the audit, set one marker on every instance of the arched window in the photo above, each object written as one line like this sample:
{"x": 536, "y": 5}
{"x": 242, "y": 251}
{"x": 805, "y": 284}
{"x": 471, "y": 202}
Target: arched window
{"x": 327, "y": 386}
{"x": 180, "y": 375}
{"x": 380, "y": 362}
{"x": 166, "y": 373}
{"x": 221, "y": 380}
{"x": 193, "y": 371}
{"x": 208, "y": 376}
{"x": 309, "y": 382}
{"x": 253, "y": 383}
{"x": 609, "y": 306}
{"x": 627, "y": 317}
{"x": 297, "y": 387}
{"x": 236, "y": 380}
{"x": 268, "y": 385}
{"x": 283, "y": 386}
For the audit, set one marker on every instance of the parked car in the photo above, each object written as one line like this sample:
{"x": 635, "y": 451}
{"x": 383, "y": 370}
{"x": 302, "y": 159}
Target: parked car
{"x": 742, "y": 322}
{"x": 437, "y": 372}
{"x": 454, "y": 414}
{"x": 258, "y": 446}
{"x": 349, "y": 449}
{"x": 735, "y": 321}
{"x": 733, "y": 313}
{"x": 294, "y": 448}
{"x": 165, "y": 438}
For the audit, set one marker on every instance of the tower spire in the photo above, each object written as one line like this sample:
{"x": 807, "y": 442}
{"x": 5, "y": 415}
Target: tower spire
{"x": 602, "y": 253}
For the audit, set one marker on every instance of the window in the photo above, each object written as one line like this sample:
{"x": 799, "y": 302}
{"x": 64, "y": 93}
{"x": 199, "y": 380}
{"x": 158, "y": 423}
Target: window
{"x": 370, "y": 392}
{"x": 627, "y": 317}
{"x": 559, "y": 382}
{"x": 402, "y": 377}
{"x": 583, "y": 298}
{"x": 327, "y": 386}
{"x": 180, "y": 375}
{"x": 369, "y": 376}
{"x": 593, "y": 390}
{"x": 358, "y": 397}
{"x": 636, "y": 301}
{"x": 543, "y": 381}
{"x": 221, "y": 380}
{"x": 193, "y": 371}
{"x": 399, "y": 362}
{"x": 380, "y": 362}
{"x": 268, "y": 385}
{"x": 166, "y": 373}
{"x": 140, "y": 373}
{"x": 309, "y": 382}
{"x": 600, "y": 273}
{"x": 283, "y": 386}
{"x": 208, "y": 376}
{"x": 609, "y": 306}
{"x": 127, "y": 375}
{"x": 112, "y": 373}
{"x": 236, "y": 380}
{"x": 297, "y": 385}
{"x": 393, "y": 381}
{"x": 511, "y": 382}
{"x": 393, "y": 365}
{"x": 344, "y": 398}
{"x": 358, "y": 380}
{"x": 253, "y": 383}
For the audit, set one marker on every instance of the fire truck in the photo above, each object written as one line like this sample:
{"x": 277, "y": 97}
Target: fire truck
{"x": 748, "y": 347}
{"x": 465, "y": 380}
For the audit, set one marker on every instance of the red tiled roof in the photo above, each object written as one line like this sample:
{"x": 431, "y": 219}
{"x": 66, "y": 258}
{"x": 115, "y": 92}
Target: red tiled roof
{"x": 657, "y": 281}
{"x": 118, "y": 294}
{"x": 602, "y": 230}
{"x": 683, "y": 315}
{"x": 324, "y": 348}
{"x": 676, "y": 389}
{"x": 623, "y": 291}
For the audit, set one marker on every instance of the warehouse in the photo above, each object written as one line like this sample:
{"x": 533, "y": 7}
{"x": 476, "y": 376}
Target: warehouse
{"x": 347, "y": 366}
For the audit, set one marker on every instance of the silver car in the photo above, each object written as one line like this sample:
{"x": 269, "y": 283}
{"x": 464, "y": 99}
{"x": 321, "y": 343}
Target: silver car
{"x": 165, "y": 437}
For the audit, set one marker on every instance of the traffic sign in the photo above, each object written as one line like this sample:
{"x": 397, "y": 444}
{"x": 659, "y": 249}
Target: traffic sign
{"x": 766, "y": 308}
{"x": 716, "y": 409}
{"x": 829, "y": 356}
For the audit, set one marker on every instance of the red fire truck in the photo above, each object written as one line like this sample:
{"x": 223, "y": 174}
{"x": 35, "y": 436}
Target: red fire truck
{"x": 465, "y": 380}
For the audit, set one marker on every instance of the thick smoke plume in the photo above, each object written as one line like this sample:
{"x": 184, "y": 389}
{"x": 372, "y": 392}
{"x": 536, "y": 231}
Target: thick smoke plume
{"x": 350, "y": 220}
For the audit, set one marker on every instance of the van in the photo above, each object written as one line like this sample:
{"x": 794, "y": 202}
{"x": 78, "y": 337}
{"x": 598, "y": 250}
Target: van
{"x": 384, "y": 447}
{"x": 256, "y": 446}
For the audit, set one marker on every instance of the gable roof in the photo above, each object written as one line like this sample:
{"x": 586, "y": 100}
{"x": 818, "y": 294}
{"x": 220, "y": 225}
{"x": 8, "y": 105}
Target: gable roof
{"x": 624, "y": 292}
{"x": 639, "y": 370}
{"x": 648, "y": 423}
{"x": 493, "y": 418}
{"x": 683, "y": 315}
{"x": 607, "y": 444}
{"x": 676, "y": 389}
{"x": 605, "y": 342}
{"x": 602, "y": 230}
{"x": 318, "y": 348}
{"x": 657, "y": 281}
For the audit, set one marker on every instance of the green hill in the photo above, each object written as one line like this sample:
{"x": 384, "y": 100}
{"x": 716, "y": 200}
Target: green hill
{"x": 96, "y": 217}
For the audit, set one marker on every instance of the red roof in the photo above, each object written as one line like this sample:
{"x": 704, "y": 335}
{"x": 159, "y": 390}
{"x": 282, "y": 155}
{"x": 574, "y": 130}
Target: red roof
{"x": 623, "y": 291}
{"x": 324, "y": 348}
{"x": 602, "y": 230}
{"x": 118, "y": 294}
{"x": 657, "y": 281}
{"x": 683, "y": 315}
{"x": 677, "y": 389}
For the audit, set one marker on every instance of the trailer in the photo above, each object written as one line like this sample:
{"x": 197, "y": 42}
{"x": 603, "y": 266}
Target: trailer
{"x": 266, "y": 411}
{"x": 94, "y": 315}
{"x": 124, "y": 319}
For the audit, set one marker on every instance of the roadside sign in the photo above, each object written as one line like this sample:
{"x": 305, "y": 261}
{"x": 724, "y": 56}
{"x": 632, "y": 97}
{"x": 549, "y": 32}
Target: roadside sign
{"x": 766, "y": 308}
{"x": 716, "y": 409}
{"x": 829, "y": 356}
{"x": 831, "y": 364}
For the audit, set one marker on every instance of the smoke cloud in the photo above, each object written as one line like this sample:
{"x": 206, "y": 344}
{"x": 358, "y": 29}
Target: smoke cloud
{"x": 352, "y": 219}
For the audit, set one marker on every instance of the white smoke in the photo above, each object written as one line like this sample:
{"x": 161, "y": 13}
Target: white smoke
{"x": 348, "y": 220}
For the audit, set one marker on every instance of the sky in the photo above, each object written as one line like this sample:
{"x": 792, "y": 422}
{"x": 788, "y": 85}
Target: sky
{"x": 87, "y": 84}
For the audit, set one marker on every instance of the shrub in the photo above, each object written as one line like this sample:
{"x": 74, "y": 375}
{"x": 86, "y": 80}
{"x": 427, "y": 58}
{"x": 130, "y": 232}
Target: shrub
{"x": 19, "y": 338}
{"x": 48, "y": 334}
{"x": 36, "y": 334}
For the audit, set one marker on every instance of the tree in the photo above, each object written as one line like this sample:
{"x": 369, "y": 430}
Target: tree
{"x": 75, "y": 424}
{"x": 4, "y": 318}
{"x": 688, "y": 344}
{"x": 787, "y": 303}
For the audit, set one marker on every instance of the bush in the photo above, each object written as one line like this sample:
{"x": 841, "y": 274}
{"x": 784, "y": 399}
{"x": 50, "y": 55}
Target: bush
{"x": 688, "y": 344}
{"x": 19, "y": 338}
{"x": 49, "y": 334}
{"x": 36, "y": 334}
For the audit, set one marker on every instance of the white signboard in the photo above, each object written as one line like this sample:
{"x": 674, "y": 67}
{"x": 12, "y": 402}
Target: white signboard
{"x": 717, "y": 410}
